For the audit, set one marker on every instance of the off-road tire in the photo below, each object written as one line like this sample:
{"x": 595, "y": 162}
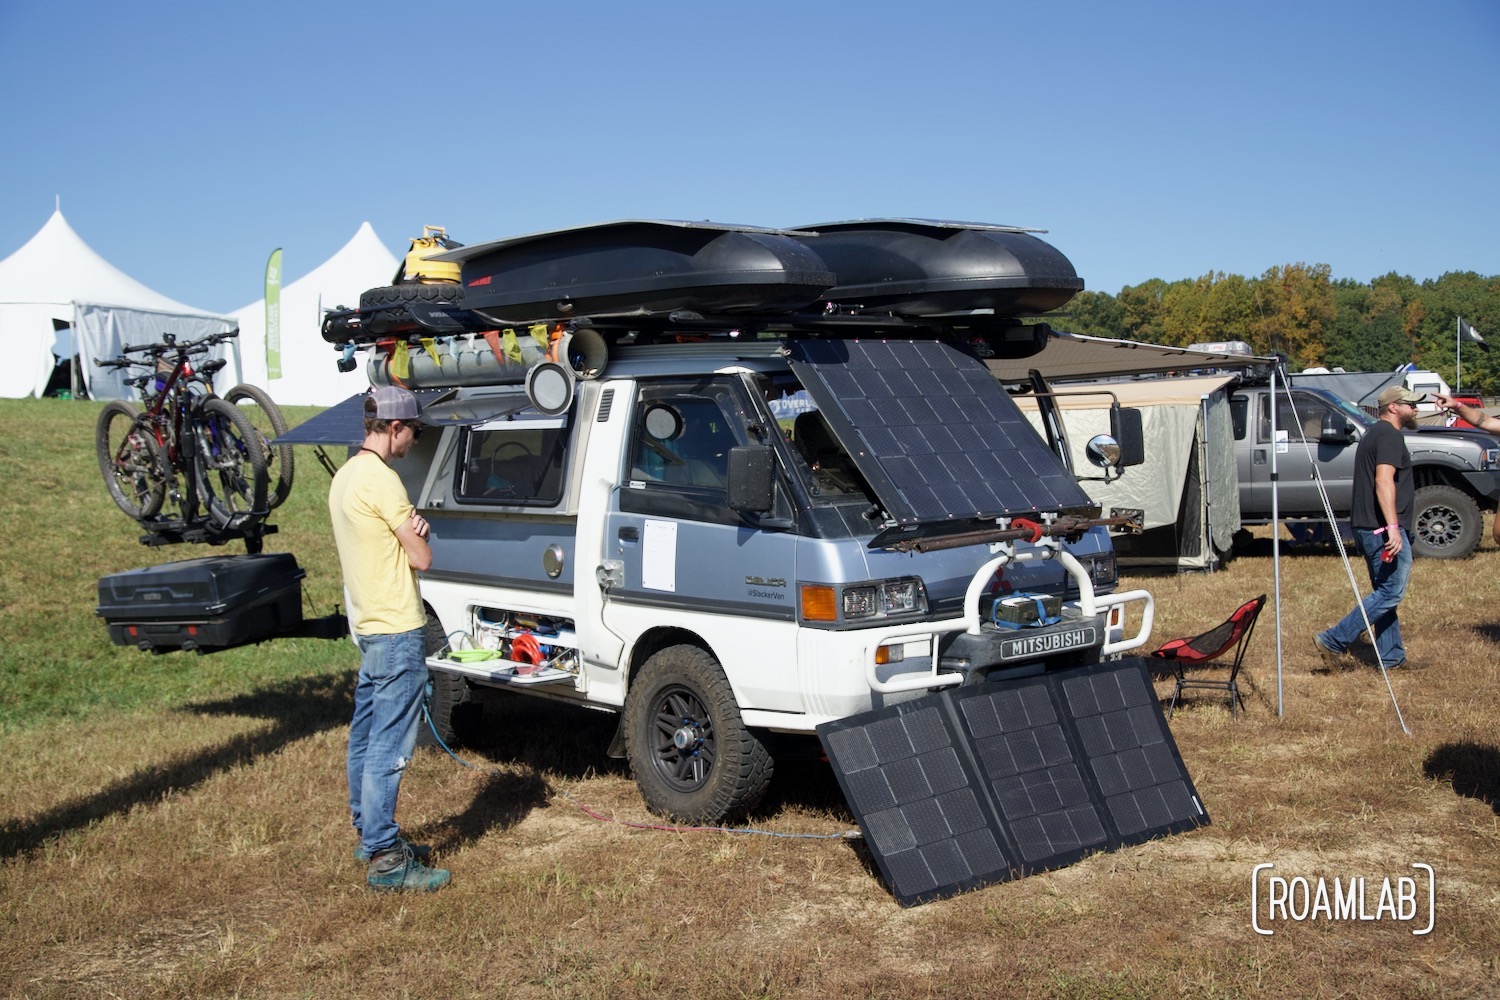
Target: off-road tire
{"x": 450, "y": 701}
{"x": 1447, "y": 523}
{"x": 230, "y": 465}
{"x": 385, "y": 309}
{"x": 716, "y": 769}
{"x": 130, "y": 461}
{"x": 263, "y": 412}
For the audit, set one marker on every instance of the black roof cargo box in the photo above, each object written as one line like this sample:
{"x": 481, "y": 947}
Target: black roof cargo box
{"x": 925, "y": 267}
{"x": 639, "y": 267}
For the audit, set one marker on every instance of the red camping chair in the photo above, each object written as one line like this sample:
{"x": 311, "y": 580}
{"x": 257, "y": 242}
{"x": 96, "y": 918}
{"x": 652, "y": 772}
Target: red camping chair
{"x": 1198, "y": 650}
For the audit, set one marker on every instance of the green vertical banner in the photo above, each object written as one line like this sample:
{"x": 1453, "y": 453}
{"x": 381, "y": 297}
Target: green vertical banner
{"x": 273, "y": 315}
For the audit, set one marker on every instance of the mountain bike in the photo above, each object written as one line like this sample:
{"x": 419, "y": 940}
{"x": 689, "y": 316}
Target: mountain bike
{"x": 186, "y": 445}
{"x": 258, "y": 407}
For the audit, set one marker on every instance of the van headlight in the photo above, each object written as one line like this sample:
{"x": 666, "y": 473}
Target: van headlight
{"x": 858, "y": 603}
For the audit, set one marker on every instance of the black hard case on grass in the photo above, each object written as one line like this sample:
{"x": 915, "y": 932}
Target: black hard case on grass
{"x": 197, "y": 603}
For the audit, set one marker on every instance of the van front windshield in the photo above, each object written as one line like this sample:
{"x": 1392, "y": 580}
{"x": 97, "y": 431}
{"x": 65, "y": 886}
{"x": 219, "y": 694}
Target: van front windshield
{"x": 818, "y": 456}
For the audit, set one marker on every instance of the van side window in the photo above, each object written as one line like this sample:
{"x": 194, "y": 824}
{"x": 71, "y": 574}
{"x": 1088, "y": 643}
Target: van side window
{"x": 516, "y": 463}
{"x": 682, "y": 436}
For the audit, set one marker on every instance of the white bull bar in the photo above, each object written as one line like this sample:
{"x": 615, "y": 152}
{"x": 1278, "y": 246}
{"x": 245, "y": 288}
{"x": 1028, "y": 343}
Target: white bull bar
{"x": 1090, "y": 604}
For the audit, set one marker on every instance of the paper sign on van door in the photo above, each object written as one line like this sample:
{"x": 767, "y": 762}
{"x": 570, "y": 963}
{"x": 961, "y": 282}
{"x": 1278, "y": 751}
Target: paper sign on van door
{"x": 659, "y": 556}
{"x": 1281, "y": 439}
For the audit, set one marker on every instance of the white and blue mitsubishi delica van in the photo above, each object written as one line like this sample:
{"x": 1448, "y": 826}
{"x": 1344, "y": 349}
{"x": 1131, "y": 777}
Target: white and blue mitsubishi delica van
{"x": 728, "y": 481}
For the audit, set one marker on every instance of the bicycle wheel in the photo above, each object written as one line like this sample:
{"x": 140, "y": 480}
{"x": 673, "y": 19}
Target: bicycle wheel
{"x": 256, "y": 404}
{"x": 130, "y": 460}
{"x": 229, "y": 464}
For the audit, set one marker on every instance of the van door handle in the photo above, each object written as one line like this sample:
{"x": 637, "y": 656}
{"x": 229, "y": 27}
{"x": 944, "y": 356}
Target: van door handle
{"x": 630, "y": 534}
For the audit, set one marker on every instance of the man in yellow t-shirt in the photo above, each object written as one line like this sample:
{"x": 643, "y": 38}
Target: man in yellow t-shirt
{"x": 382, "y": 544}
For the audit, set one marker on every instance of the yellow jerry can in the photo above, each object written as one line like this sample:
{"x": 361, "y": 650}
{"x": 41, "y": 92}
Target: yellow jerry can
{"x": 434, "y": 240}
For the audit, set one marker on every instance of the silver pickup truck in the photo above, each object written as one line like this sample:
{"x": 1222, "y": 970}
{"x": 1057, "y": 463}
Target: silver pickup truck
{"x": 1457, "y": 471}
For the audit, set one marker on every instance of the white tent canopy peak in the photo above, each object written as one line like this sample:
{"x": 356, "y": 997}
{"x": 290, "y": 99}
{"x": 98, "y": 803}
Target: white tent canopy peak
{"x": 56, "y": 281}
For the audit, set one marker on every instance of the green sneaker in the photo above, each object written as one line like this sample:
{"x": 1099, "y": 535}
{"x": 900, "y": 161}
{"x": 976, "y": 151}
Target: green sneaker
{"x": 420, "y": 851}
{"x": 1333, "y": 659}
{"x": 398, "y": 870}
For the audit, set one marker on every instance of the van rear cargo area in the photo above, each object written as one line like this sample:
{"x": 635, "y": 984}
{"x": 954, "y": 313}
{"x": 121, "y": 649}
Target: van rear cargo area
{"x": 200, "y": 603}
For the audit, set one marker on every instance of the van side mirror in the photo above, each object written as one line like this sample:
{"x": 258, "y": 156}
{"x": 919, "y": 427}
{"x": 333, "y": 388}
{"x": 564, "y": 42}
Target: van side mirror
{"x": 1335, "y": 429}
{"x": 1103, "y": 451}
{"x": 1126, "y": 428}
{"x": 752, "y": 479}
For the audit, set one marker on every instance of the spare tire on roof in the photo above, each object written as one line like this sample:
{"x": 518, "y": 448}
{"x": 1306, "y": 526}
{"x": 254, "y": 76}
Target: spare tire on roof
{"x": 389, "y": 309}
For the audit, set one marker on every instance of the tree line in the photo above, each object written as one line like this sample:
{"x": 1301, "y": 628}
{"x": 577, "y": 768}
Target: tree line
{"x": 1301, "y": 311}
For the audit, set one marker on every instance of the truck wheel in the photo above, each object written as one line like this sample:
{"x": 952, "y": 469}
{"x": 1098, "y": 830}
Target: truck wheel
{"x": 694, "y": 760}
{"x": 1448, "y": 523}
{"x": 450, "y": 701}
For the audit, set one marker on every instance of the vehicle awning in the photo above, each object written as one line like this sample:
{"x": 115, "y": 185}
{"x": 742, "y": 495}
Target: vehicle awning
{"x": 344, "y": 424}
{"x": 1074, "y": 356}
{"x": 341, "y": 424}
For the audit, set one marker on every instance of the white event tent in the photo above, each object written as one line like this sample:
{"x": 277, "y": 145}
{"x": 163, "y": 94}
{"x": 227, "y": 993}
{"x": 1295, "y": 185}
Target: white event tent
{"x": 57, "y": 283}
{"x": 309, "y": 371}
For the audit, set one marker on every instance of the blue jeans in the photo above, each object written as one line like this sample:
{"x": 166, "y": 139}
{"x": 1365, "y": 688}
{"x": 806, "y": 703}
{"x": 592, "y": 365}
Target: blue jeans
{"x": 1388, "y": 580}
{"x": 387, "y": 710}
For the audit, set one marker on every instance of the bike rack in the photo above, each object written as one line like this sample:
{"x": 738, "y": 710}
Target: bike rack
{"x": 169, "y": 531}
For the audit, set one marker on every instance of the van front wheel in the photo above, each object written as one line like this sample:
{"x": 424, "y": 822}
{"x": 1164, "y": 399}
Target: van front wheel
{"x": 694, "y": 759}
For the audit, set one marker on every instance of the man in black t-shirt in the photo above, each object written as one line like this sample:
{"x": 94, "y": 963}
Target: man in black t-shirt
{"x": 1381, "y": 515}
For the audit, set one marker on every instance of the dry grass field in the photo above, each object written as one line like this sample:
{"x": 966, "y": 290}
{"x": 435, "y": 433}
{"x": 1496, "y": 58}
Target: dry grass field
{"x": 174, "y": 826}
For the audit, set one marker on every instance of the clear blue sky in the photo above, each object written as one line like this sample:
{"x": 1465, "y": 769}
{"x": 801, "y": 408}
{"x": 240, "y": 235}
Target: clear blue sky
{"x": 188, "y": 139}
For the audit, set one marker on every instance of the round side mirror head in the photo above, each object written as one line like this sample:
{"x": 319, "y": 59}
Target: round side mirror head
{"x": 549, "y": 386}
{"x": 663, "y": 422}
{"x": 1103, "y": 451}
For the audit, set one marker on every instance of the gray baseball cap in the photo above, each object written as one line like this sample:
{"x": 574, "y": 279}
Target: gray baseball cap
{"x": 395, "y": 403}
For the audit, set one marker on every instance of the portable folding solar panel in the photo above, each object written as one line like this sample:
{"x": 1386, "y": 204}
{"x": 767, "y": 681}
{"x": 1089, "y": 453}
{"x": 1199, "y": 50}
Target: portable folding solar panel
{"x": 977, "y": 785}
